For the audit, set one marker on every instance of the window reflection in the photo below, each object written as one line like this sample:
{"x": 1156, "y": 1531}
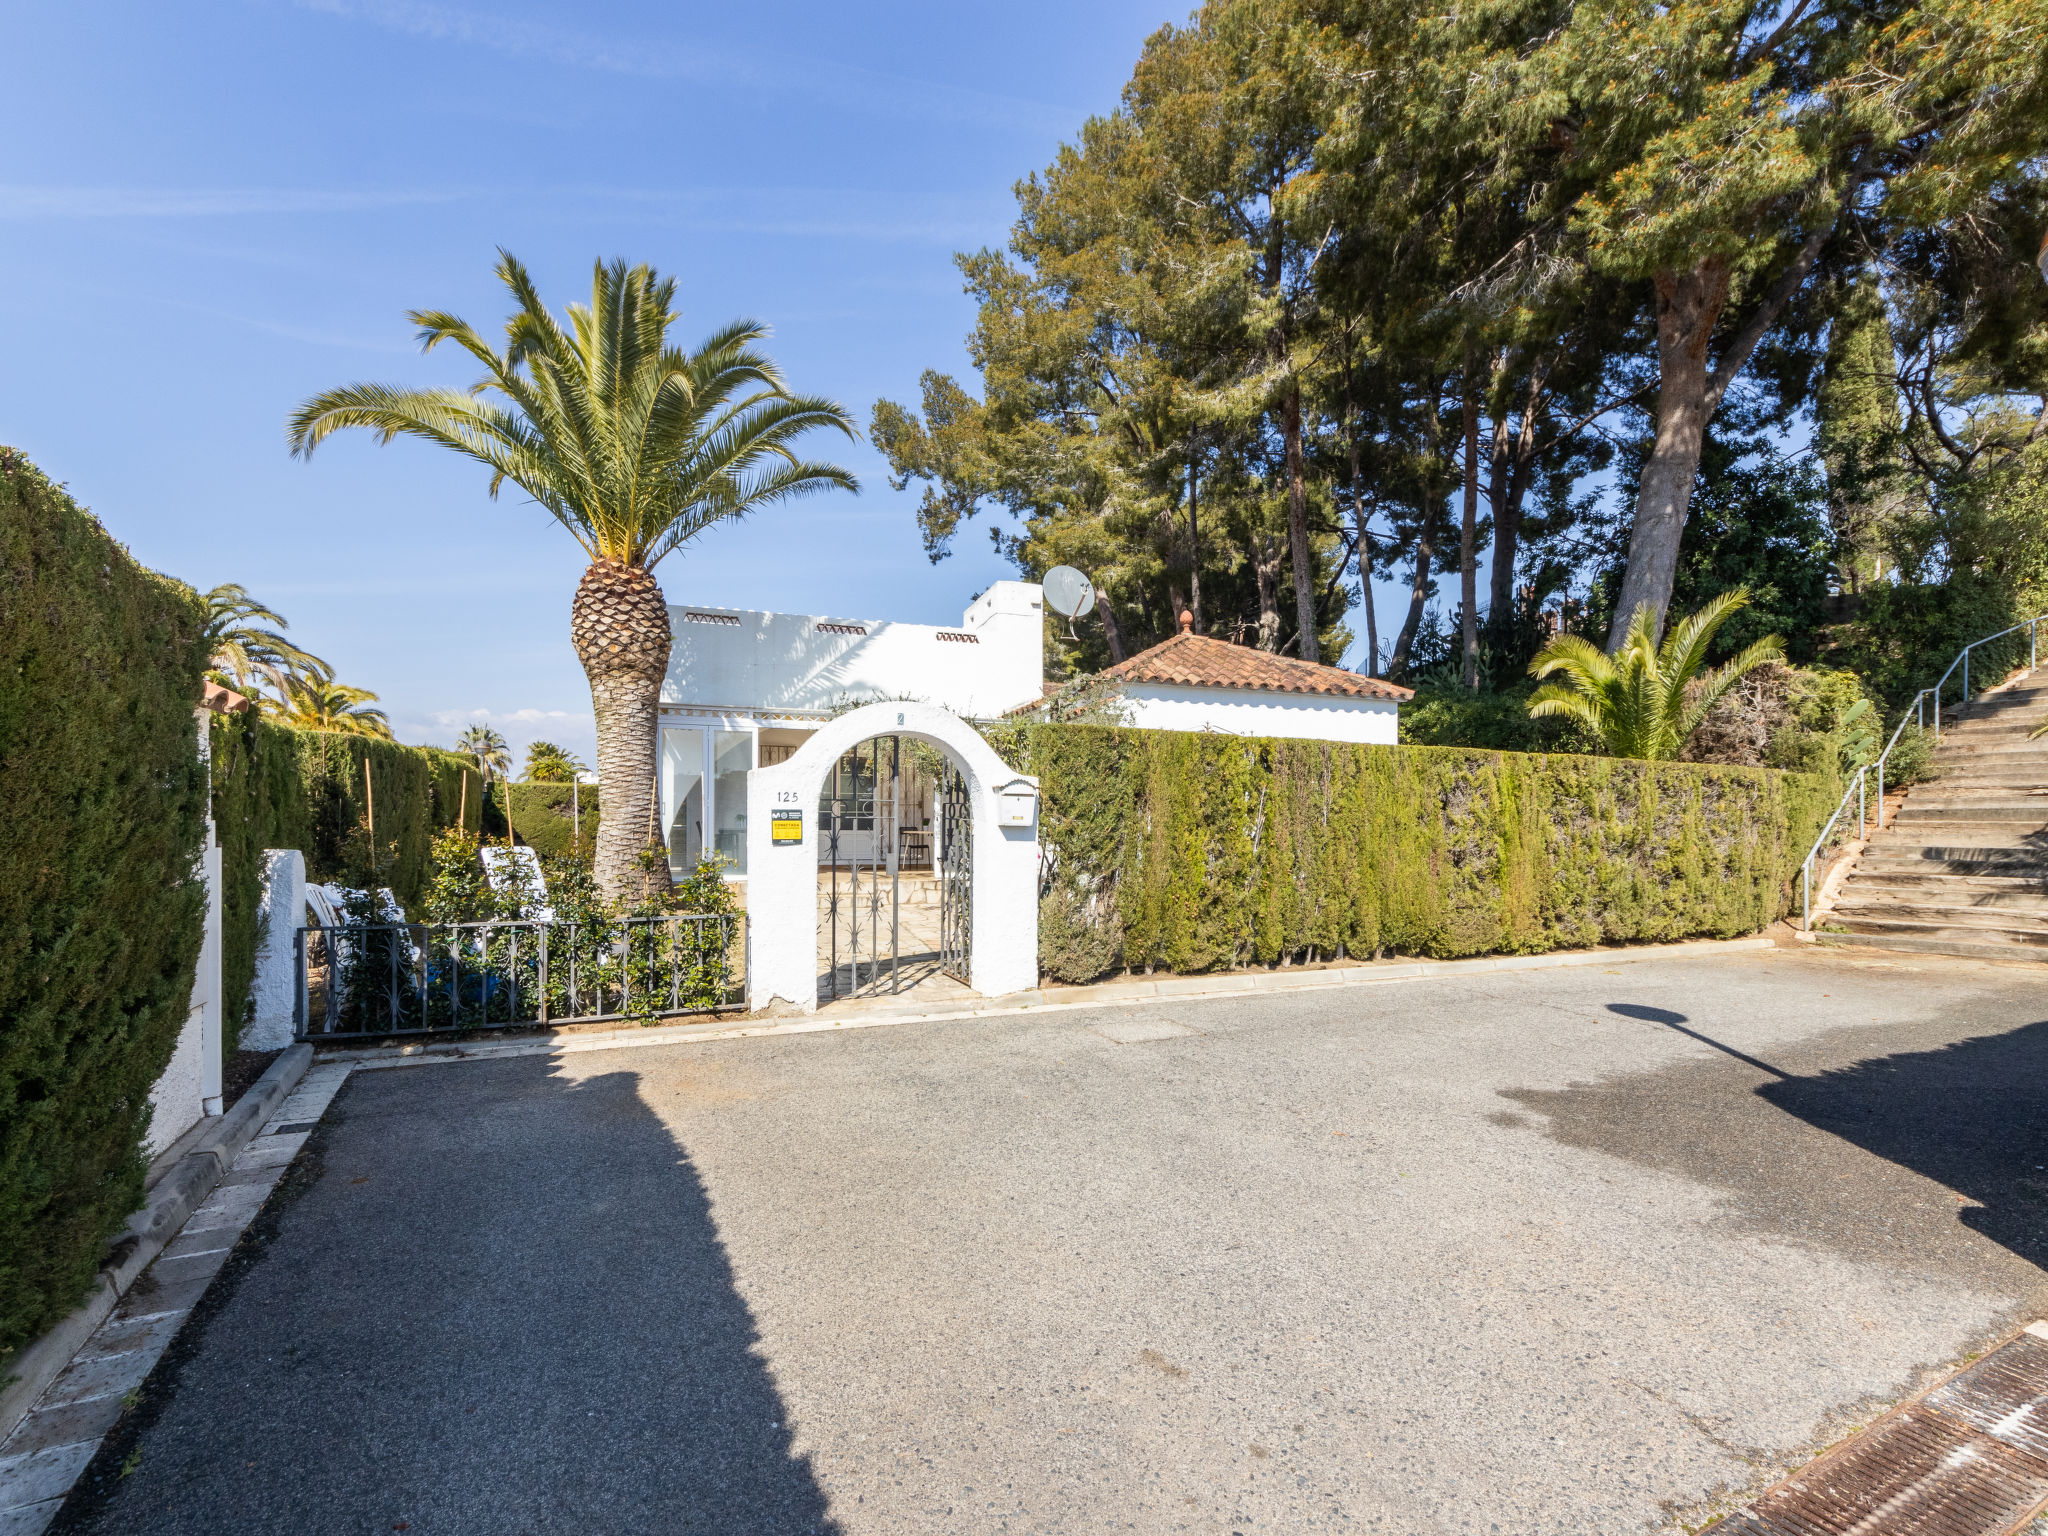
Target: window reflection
{"x": 732, "y": 756}
{"x": 682, "y": 796}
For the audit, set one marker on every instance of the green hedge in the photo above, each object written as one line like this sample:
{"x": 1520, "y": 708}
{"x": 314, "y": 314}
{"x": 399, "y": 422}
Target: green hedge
{"x": 542, "y": 819}
{"x": 101, "y": 912}
{"x": 278, "y": 787}
{"x": 1195, "y": 852}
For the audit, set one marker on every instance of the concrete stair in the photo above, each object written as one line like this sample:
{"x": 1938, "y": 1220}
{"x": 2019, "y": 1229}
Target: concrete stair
{"x": 1962, "y": 867}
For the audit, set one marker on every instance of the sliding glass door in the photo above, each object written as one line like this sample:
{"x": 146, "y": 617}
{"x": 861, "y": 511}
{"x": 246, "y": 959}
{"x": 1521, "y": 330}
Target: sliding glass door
{"x": 732, "y": 754}
{"x": 682, "y": 797}
{"x": 703, "y": 782}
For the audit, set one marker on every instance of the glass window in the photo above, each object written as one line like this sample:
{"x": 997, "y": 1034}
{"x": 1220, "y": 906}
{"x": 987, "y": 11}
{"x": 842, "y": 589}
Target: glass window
{"x": 733, "y": 756}
{"x": 847, "y": 798}
{"x": 682, "y": 796}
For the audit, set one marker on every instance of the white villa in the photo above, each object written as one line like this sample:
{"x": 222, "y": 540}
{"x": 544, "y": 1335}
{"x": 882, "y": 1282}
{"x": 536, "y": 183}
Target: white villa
{"x": 745, "y": 689}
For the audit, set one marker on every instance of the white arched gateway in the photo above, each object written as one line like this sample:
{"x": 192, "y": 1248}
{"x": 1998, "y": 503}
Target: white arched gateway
{"x": 783, "y": 855}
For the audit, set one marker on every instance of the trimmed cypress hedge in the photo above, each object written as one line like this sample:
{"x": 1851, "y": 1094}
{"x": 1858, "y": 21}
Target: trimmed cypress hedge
{"x": 275, "y": 786}
{"x": 101, "y": 909}
{"x": 1195, "y": 852}
{"x": 541, "y": 816}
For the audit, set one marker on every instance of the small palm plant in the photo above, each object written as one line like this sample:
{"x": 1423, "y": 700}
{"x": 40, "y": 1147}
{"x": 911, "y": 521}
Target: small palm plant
{"x": 493, "y": 758}
{"x": 319, "y": 703}
{"x": 1647, "y": 699}
{"x": 547, "y": 763}
{"x": 635, "y": 446}
{"x": 240, "y": 654}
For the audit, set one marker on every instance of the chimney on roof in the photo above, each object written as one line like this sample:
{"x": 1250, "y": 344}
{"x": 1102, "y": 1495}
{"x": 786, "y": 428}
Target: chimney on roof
{"x": 1187, "y": 622}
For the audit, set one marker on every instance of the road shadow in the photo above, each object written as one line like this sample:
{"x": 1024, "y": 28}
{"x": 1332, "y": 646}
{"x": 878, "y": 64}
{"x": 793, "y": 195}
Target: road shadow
{"x": 497, "y": 1303}
{"x": 1971, "y": 1115}
{"x": 1959, "y": 1120}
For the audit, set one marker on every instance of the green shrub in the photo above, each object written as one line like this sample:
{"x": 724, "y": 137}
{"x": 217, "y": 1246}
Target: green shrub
{"x": 1196, "y": 852}
{"x": 1903, "y": 637}
{"x": 101, "y": 912}
{"x": 541, "y": 816}
{"x": 1490, "y": 721}
{"x": 1912, "y": 759}
{"x": 275, "y": 786}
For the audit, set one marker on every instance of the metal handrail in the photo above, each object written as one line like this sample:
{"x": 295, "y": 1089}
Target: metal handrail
{"x": 1917, "y": 710}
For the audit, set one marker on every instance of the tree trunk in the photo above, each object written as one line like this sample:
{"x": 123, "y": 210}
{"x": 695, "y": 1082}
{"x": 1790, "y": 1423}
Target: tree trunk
{"x": 1418, "y": 594}
{"x": 1367, "y": 559}
{"x": 1468, "y": 531}
{"x": 1507, "y": 528}
{"x": 1297, "y": 531}
{"x": 619, "y": 626}
{"x": 1363, "y": 522}
{"x": 1110, "y": 632}
{"x": 1688, "y": 305}
{"x": 1194, "y": 554}
{"x": 1513, "y": 465}
{"x": 1266, "y": 572}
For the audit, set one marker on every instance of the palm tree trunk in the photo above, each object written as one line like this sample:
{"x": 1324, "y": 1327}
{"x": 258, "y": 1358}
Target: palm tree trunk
{"x": 619, "y": 625}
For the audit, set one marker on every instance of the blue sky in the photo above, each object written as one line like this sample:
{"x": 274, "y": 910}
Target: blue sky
{"x": 209, "y": 211}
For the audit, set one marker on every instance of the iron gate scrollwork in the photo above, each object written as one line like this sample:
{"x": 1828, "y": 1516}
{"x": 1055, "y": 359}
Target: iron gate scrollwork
{"x": 858, "y": 814}
{"x": 956, "y": 874}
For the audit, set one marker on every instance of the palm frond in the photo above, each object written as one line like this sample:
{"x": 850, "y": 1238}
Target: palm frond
{"x": 1646, "y": 699}
{"x": 1556, "y": 699}
{"x": 239, "y": 654}
{"x": 321, "y": 704}
{"x": 1574, "y": 654}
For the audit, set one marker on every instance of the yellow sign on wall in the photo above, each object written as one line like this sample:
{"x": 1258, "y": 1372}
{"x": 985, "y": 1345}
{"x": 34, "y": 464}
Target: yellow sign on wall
{"x": 786, "y": 826}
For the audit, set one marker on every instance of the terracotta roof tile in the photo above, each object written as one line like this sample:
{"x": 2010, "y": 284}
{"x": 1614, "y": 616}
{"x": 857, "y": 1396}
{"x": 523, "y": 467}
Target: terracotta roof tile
{"x": 1196, "y": 661}
{"x": 221, "y": 700}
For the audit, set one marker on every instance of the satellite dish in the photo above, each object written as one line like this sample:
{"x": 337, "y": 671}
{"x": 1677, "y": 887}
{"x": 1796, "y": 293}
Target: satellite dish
{"x": 1067, "y": 592}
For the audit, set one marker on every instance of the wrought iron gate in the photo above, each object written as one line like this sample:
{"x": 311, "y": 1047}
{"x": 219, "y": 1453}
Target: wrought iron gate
{"x": 956, "y": 874}
{"x": 858, "y": 815}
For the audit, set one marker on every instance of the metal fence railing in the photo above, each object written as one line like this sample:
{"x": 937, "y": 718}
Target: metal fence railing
{"x": 374, "y": 980}
{"x": 1915, "y": 714}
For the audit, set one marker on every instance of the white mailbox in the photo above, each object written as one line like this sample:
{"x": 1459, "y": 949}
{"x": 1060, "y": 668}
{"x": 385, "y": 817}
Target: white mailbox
{"x": 1017, "y": 804}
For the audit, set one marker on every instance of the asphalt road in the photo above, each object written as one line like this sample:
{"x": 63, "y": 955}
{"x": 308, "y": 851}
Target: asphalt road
{"x": 1565, "y": 1251}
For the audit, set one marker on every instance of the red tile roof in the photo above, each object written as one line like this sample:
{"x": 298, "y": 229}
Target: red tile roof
{"x": 1195, "y": 661}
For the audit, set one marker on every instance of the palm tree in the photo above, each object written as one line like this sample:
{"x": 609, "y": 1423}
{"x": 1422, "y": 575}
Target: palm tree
{"x": 487, "y": 747}
{"x": 547, "y": 763}
{"x": 1646, "y": 700}
{"x": 239, "y": 654}
{"x": 319, "y": 703}
{"x": 636, "y": 447}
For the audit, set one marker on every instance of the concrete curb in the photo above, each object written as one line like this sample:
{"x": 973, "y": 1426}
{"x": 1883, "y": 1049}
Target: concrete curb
{"x": 175, "y": 1196}
{"x": 1042, "y": 1000}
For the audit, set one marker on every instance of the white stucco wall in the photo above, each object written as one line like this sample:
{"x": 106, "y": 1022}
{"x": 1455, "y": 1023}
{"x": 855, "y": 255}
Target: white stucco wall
{"x": 190, "y": 1085}
{"x": 274, "y": 994}
{"x": 782, "y": 879}
{"x": 786, "y": 661}
{"x": 1257, "y": 712}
